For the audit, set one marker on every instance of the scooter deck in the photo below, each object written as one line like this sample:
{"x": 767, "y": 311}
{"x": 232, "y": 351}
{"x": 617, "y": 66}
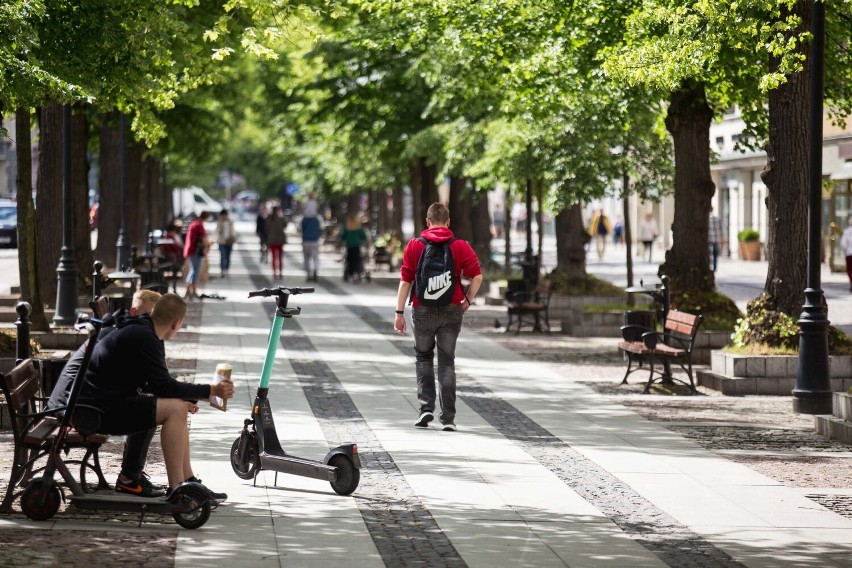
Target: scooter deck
{"x": 118, "y": 502}
{"x": 297, "y": 466}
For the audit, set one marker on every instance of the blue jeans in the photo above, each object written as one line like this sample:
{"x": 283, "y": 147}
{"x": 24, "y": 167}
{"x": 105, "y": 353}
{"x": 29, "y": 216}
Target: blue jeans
{"x": 437, "y": 327}
{"x": 194, "y": 269}
{"x": 225, "y": 257}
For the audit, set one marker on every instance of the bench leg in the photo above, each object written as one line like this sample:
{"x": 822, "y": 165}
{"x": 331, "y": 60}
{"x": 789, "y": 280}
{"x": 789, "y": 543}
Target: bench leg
{"x": 647, "y": 388}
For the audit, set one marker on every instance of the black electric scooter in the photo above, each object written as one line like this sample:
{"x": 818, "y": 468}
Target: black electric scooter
{"x": 189, "y": 504}
{"x": 258, "y": 447}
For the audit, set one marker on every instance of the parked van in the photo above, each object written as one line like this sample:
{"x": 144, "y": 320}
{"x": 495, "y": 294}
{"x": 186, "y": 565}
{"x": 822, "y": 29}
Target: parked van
{"x": 192, "y": 201}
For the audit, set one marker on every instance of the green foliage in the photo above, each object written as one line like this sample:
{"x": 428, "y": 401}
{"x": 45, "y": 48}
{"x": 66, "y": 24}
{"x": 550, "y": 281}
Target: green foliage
{"x": 588, "y": 286}
{"x": 766, "y": 329}
{"x": 9, "y": 343}
{"x": 719, "y": 311}
{"x": 748, "y": 236}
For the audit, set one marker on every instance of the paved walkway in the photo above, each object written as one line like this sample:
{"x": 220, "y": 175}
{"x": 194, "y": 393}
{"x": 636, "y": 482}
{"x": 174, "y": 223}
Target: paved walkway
{"x": 542, "y": 472}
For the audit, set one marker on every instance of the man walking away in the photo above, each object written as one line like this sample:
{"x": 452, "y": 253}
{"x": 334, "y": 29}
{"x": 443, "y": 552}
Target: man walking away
{"x": 434, "y": 264}
{"x": 714, "y": 238}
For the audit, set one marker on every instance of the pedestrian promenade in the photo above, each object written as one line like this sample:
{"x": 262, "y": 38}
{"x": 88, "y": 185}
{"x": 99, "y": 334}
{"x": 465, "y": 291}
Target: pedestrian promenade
{"x": 542, "y": 471}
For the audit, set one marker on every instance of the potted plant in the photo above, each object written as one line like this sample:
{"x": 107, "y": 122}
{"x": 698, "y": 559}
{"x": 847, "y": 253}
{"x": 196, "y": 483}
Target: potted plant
{"x": 749, "y": 241}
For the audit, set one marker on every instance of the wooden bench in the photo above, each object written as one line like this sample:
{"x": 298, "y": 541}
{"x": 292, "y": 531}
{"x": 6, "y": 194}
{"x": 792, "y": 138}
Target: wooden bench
{"x": 34, "y": 428}
{"x": 673, "y": 345}
{"x": 523, "y": 307}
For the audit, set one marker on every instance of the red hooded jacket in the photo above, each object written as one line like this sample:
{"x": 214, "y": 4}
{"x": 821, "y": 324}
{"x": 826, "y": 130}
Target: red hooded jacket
{"x": 465, "y": 259}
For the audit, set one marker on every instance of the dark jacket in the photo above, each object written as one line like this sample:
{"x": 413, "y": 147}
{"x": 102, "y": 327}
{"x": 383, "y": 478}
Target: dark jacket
{"x": 130, "y": 358}
{"x": 62, "y": 388}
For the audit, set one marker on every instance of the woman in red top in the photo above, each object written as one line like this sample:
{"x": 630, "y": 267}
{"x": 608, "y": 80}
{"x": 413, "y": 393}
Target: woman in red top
{"x": 194, "y": 249}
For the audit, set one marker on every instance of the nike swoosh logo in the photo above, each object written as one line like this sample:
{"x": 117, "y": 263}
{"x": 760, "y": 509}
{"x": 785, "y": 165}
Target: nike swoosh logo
{"x": 137, "y": 489}
{"x": 437, "y": 293}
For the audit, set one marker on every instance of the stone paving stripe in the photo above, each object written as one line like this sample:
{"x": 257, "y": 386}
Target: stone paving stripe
{"x": 672, "y": 542}
{"x": 403, "y": 530}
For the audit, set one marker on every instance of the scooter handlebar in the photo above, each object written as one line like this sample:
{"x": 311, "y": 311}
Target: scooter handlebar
{"x": 280, "y": 291}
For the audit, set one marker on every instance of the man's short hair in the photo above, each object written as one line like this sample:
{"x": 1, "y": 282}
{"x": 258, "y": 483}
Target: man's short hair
{"x": 168, "y": 309}
{"x": 144, "y": 297}
{"x": 438, "y": 213}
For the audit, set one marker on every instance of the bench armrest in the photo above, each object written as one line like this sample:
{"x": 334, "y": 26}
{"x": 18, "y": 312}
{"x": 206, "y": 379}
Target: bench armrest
{"x": 518, "y": 296}
{"x": 651, "y": 338}
{"x": 634, "y": 332}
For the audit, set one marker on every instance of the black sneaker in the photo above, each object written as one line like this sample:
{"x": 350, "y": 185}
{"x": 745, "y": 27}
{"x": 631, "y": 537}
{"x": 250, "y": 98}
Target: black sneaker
{"x": 424, "y": 420}
{"x": 141, "y": 487}
{"x": 449, "y": 427}
{"x": 213, "y": 494}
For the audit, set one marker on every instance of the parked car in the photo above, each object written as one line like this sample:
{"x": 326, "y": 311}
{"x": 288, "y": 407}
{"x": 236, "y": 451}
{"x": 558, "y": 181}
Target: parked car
{"x": 8, "y": 224}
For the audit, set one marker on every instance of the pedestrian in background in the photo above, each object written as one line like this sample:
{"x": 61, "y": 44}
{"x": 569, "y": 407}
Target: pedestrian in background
{"x": 846, "y": 245}
{"x": 437, "y": 325}
{"x": 194, "y": 250}
{"x": 353, "y": 237}
{"x": 260, "y": 231}
{"x": 647, "y": 234}
{"x": 276, "y": 238}
{"x": 310, "y": 246}
{"x": 226, "y": 236}
{"x": 714, "y": 238}
{"x": 599, "y": 229}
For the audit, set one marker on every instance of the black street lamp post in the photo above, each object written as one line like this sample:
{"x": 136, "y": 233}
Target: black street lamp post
{"x": 122, "y": 245}
{"x": 66, "y": 271}
{"x": 812, "y": 394}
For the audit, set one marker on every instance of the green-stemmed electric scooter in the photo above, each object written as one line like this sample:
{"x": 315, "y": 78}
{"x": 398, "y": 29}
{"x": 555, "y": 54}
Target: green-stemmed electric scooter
{"x": 258, "y": 447}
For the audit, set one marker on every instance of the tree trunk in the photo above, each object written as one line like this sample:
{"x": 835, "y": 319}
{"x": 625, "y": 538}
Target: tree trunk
{"x": 49, "y": 198}
{"x": 27, "y": 226}
{"x": 571, "y": 238}
{"x": 460, "y": 209}
{"x": 396, "y": 214}
{"x": 507, "y": 231}
{"x": 539, "y": 219}
{"x": 418, "y": 213}
{"x": 786, "y": 179}
{"x": 109, "y": 217}
{"x": 480, "y": 224}
{"x": 81, "y": 235}
{"x": 353, "y": 202}
{"x": 135, "y": 202}
{"x": 688, "y": 120}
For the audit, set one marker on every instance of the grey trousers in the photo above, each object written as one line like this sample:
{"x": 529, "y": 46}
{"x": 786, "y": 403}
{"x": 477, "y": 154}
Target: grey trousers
{"x": 437, "y": 327}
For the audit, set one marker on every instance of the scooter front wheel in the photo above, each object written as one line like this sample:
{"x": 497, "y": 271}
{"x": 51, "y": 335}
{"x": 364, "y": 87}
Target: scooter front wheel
{"x": 191, "y": 507}
{"x": 245, "y": 468}
{"x": 347, "y": 476}
{"x": 40, "y": 500}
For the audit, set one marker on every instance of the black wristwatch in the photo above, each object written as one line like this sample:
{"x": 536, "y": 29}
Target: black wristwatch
{"x": 399, "y": 312}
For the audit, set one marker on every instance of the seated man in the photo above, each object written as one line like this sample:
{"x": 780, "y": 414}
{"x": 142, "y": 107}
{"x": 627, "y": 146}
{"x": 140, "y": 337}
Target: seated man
{"x": 132, "y": 478}
{"x": 133, "y": 357}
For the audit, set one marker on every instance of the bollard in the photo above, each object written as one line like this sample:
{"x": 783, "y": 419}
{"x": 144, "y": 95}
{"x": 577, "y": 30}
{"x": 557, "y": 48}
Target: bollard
{"x": 22, "y": 345}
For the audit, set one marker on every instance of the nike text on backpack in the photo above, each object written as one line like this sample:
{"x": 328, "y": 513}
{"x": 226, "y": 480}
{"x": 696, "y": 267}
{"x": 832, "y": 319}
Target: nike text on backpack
{"x": 435, "y": 279}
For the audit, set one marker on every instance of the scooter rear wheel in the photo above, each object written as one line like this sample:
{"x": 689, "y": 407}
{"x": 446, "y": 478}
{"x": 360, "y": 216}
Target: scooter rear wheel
{"x": 40, "y": 500}
{"x": 348, "y": 476}
{"x": 245, "y": 468}
{"x": 191, "y": 507}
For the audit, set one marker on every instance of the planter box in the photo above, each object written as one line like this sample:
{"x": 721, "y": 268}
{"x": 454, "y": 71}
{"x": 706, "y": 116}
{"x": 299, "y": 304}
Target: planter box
{"x": 766, "y": 374}
{"x": 750, "y": 250}
{"x": 838, "y": 426}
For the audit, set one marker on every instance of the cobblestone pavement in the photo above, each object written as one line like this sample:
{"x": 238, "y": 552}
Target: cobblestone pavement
{"x": 153, "y": 546}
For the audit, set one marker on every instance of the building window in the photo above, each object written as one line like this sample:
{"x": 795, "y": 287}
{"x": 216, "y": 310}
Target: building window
{"x": 720, "y": 142}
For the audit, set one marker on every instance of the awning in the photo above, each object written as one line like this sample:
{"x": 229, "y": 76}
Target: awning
{"x": 844, "y": 171}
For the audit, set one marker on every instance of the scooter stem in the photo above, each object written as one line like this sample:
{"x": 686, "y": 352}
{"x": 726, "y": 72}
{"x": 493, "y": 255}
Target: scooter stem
{"x": 271, "y": 348}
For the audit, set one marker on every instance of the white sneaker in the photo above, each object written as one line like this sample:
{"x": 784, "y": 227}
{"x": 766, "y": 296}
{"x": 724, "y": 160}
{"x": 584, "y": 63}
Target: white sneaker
{"x": 424, "y": 420}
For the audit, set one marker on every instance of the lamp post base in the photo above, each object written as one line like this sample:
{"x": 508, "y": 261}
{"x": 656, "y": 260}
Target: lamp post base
{"x": 812, "y": 403}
